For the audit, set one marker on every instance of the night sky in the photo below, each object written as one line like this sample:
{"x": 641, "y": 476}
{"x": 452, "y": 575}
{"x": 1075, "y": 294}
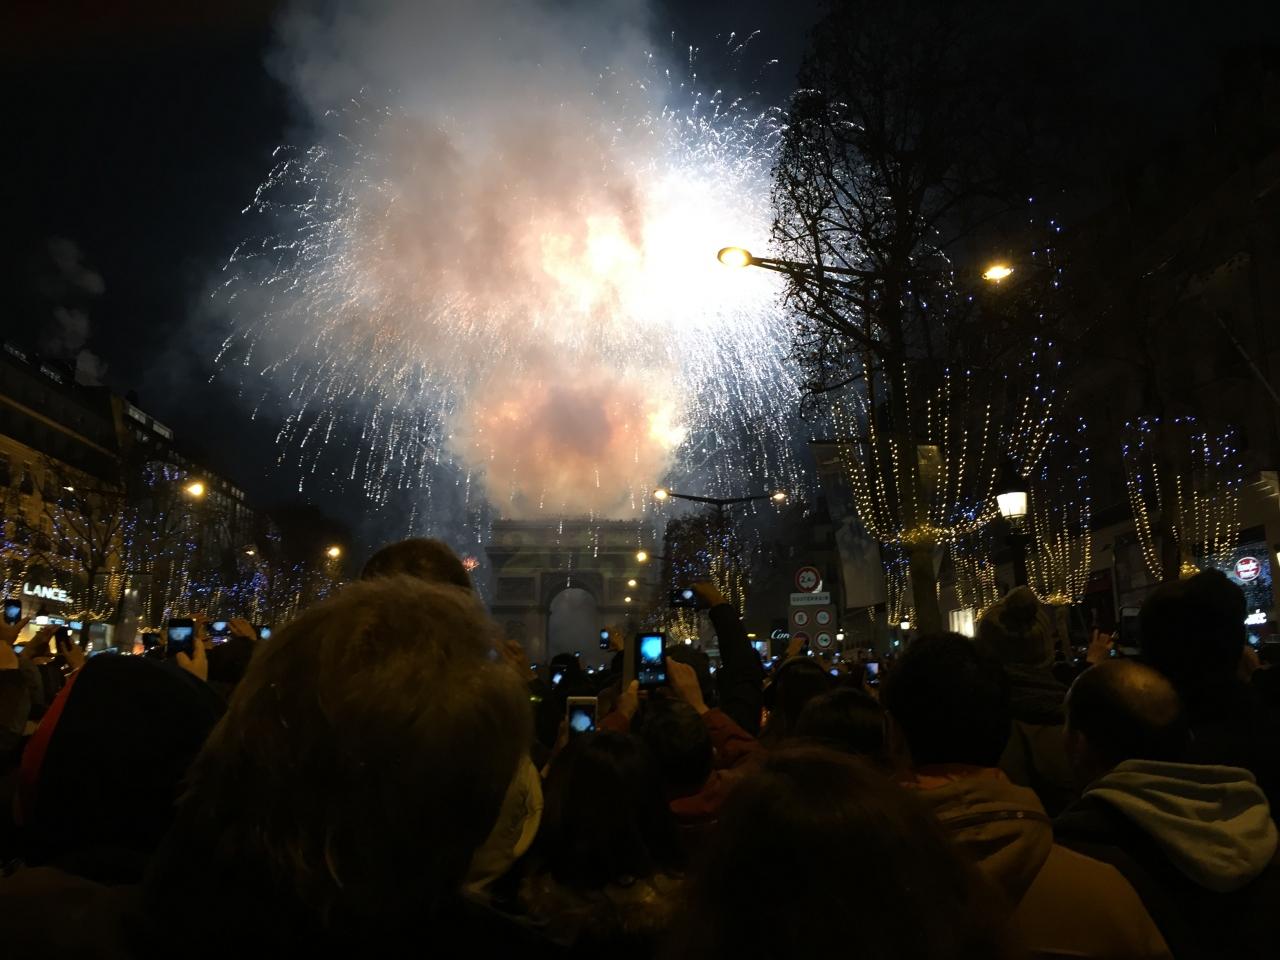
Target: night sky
{"x": 139, "y": 130}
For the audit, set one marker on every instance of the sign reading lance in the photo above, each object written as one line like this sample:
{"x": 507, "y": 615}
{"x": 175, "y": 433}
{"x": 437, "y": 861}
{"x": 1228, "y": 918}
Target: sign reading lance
{"x": 46, "y": 593}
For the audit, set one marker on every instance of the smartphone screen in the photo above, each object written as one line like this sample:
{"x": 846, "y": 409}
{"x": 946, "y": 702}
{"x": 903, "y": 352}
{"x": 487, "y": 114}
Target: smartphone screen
{"x": 220, "y": 628}
{"x": 651, "y": 666}
{"x": 684, "y": 598}
{"x": 264, "y": 631}
{"x": 12, "y": 611}
{"x": 872, "y": 668}
{"x": 181, "y": 634}
{"x": 556, "y": 677}
{"x": 604, "y": 639}
{"x": 581, "y": 714}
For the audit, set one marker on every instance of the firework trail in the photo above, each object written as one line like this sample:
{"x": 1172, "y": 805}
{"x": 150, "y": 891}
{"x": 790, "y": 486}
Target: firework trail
{"x": 501, "y": 266}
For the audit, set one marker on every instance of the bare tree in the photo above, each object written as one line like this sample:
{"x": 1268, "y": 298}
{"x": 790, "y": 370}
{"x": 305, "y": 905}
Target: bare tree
{"x": 890, "y": 173}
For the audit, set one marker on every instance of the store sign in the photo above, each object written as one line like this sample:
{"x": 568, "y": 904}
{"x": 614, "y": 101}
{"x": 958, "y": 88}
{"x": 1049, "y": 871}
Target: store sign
{"x": 780, "y": 635}
{"x": 46, "y": 593}
{"x": 1248, "y": 569}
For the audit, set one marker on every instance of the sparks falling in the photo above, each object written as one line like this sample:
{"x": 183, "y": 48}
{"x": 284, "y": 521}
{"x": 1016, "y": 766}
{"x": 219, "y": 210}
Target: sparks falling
{"x": 526, "y": 294}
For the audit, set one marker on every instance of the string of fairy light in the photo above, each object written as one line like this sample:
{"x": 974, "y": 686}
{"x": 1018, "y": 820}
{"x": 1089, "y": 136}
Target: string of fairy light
{"x": 101, "y": 545}
{"x": 1060, "y": 513}
{"x": 973, "y": 563}
{"x": 1183, "y": 478}
{"x": 966, "y": 440}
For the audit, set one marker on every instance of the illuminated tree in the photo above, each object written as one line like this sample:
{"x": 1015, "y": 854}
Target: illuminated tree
{"x": 1184, "y": 481}
{"x": 892, "y": 168}
{"x": 1060, "y": 509}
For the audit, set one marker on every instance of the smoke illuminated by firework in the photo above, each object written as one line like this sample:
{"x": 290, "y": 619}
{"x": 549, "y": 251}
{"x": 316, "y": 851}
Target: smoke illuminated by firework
{"x": 498, "y": 258}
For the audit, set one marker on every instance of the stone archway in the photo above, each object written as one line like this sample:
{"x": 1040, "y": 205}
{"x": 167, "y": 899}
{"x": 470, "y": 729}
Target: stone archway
{"x": 533, "y": 562}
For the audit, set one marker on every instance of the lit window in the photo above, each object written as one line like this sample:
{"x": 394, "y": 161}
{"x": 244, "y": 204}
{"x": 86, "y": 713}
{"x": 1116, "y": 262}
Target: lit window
{"x": 962, "y": 621}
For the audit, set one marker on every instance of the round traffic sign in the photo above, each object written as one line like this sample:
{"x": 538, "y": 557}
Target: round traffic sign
{"x": 822, "y": 617}
{"x": 800, "y": 618}
{"x": 802, "y": 637}
{"x": 808, "y": 580}
{"x": 824, "y": 639}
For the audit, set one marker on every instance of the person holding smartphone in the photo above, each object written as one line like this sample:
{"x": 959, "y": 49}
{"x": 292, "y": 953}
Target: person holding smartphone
{"x": 15, "y": 695}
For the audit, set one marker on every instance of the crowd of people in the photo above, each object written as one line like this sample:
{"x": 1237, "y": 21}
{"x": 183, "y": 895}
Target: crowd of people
{"x": 388, "y": 772}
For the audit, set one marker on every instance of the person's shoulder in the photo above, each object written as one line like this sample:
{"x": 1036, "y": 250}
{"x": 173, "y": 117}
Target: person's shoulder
{"x": 1079, "y": 903}
{"x": 49, "y": 913}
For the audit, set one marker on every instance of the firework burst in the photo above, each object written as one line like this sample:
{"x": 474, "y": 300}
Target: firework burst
{"x": 523, "y": 302}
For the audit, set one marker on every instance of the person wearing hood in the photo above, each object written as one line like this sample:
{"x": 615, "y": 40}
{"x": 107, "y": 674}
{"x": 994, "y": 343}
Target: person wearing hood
{"x": 1197, "y": 841}
{"x": 1193, "y": 632}
{"x": 949, "y": 712}
{"x": 1017, "y": 632}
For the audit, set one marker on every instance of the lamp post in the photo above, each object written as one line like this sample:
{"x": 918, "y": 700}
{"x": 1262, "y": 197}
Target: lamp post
{"x": 1011, "y": 498}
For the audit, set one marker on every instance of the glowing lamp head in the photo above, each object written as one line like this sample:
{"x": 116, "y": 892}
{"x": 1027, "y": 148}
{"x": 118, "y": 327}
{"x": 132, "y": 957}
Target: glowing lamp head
{"x": 1013, "y": 505}
{"x": 333, "y": 553}
{"x": 779, "y": 496}
{"x": 735, "y": 257}
{"x": 997, "y": 272}
{"x": 626, "y": 599}
{"x": 904, "y": 626}
{"x": 631, "y": 583}
{"x": 195, "y": 489}
{"x": 250, "y": 552}
{"x": 642, "y": 556}
{"x": 660, "y": 494}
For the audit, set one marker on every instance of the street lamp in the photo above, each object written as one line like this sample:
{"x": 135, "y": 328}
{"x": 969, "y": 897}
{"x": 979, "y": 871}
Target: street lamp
{"x": 642, "y": 556}
{"x": 1011, "y": 498}
{"x": 996, "y": 272}
{"x": 194, "y": 489}
{"x": 631, "y": 582}
{"x": 334, "y": 552}
{"x": 734, "y": 257}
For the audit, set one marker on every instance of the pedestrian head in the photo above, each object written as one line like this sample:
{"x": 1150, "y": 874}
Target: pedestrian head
{"x": 853, "y": 865}
{"x": 362, "y": 760}
{"x": 679, "y": 742}
{"x": 1016, "y": 630}
{"x": 950, "y": 703}
{"x": 848, "y": 720}
{"x": 422, "y": 557}
{"x": 696, "y": 658}
{"x": 606, "y": 819}
{"x": 1123, "y": 710}
{"x": 1193, "y": 631}
{"x": 795, "y": 683}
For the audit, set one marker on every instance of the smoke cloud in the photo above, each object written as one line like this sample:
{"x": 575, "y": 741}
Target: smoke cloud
{"x": 497, "y": 239}
{"x": 72, "y": 285}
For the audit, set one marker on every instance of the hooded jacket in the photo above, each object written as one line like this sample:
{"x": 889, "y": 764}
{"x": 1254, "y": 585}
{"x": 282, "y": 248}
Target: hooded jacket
{"x": 1035, "y": 756}
{"x": 1199, "y": 845}
{"x": 1063, "y": 904}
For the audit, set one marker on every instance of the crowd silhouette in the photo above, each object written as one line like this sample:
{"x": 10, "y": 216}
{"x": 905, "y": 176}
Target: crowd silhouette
{"x": 388, "y": 772}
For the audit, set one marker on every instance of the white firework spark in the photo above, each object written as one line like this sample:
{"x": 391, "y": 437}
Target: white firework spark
{"x": 528, "y": 296}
